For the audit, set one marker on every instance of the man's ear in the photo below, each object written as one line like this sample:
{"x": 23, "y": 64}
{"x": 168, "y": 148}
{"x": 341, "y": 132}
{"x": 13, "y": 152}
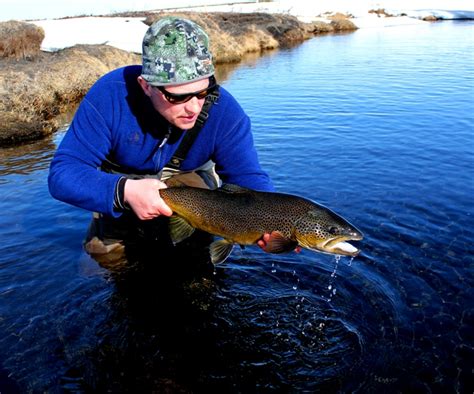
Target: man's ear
{"x": 145, "y": 86}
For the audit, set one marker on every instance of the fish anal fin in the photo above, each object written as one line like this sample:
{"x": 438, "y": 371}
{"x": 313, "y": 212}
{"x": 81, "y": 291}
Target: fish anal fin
{"x": 220, "y": 250}
{"x": 278, "y": 243}
{"x": 179, "y": 229}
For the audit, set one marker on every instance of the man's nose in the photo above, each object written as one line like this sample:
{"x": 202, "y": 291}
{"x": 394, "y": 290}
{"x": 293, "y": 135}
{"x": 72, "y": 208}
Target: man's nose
{"x": 194, "y": 105}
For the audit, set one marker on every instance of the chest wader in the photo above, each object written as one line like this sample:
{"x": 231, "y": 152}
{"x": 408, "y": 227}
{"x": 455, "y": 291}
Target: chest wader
{"x": 108, "y": 238}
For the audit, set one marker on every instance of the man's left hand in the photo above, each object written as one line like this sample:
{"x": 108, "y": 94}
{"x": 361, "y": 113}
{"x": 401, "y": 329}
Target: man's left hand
{"x": 267, "y": 238}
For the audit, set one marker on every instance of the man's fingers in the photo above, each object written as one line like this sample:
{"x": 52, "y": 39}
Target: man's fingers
{"x": 266, "y": 238}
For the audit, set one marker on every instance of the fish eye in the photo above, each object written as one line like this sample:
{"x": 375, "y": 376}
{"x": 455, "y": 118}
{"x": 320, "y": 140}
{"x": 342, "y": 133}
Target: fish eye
{"x": 333, "y": 230}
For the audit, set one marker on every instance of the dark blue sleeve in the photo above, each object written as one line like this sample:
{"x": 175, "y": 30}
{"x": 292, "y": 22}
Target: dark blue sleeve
{"x": 73, "y": 176}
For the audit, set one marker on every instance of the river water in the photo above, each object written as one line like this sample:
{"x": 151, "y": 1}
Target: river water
{"x": 377, "y": 125}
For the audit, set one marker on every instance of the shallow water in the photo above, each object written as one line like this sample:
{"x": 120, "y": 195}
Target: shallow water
{"x": 378, "y": 125}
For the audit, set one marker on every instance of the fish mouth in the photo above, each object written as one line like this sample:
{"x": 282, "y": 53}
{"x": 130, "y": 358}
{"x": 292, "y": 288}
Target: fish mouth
{"x": 338, "y": 245}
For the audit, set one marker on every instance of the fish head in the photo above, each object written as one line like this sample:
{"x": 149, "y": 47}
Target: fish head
{"x": 322, "y": 230}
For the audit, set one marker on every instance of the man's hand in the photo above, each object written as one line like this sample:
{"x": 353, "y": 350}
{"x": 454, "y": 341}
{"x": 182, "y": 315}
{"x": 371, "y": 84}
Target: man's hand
{"x": 268, "y": 241}
{"x": 143, "y": 196}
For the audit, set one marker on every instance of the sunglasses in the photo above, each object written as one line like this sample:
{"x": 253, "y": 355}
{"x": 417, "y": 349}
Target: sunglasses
{"x": 181, "y": 98}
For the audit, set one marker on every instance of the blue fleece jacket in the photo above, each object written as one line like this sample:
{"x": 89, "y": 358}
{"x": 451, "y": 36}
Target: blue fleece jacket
{"x": 116, "y": 121}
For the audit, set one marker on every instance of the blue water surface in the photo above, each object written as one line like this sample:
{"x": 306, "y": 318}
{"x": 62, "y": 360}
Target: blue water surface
{"x": 378, "y": 125}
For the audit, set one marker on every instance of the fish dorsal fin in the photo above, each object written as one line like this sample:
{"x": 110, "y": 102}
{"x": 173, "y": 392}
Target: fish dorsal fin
{"x": 231, "y": 188}
{"x": 179, "y": 229}
{"x": 278, "y": 243}
{"x": 220, "y": 250}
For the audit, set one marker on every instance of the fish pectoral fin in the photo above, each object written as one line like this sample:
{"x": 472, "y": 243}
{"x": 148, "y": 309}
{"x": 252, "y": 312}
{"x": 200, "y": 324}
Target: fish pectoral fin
{"x": 220, "y": 250}
{"x": 179, "y": 229}
{"x": 278, "y": 243}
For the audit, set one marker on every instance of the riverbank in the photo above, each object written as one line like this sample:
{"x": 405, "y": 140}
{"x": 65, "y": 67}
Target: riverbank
{"x": 43, "y": 80}
{"x": 37, "y": 87}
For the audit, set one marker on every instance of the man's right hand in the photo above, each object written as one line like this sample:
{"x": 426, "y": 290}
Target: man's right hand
{"x": 143, "y": 196}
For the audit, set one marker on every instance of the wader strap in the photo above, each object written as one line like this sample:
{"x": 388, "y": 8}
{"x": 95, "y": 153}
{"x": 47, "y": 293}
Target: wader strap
{"x": 189, "y": 136}
{"x": 183, "y": 148}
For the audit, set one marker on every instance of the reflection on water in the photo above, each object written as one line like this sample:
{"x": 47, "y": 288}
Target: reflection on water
{"x": 25, "y": 159}
{"x": 225, "y": 71}
{"x": 376, "y": 125}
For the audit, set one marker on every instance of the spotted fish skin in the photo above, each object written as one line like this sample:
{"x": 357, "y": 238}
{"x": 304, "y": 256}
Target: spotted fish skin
{"x": 242, "y": 216}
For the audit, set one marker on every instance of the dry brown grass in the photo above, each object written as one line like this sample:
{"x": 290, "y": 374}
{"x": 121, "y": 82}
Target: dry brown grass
{"x": 341, "y": 22}
{"x": 341, "y": 25}
{"x": 34, "y": 93}
{"x": 234, "y": 34}
{"x": 20, "y": 40}
{"x": 380, "y": 12}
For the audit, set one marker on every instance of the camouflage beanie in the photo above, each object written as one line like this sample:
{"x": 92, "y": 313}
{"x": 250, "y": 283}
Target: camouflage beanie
{"x": 175, "y": 51}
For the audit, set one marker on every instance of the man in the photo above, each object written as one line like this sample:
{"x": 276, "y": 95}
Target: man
{"x": 130, "y": 124}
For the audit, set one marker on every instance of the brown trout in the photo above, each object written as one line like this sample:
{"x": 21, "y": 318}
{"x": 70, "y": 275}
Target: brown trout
{"x": 241, "y": 216}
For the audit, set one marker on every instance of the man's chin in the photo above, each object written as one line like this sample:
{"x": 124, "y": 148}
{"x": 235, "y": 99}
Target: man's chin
{"x": 183, "y": 125}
